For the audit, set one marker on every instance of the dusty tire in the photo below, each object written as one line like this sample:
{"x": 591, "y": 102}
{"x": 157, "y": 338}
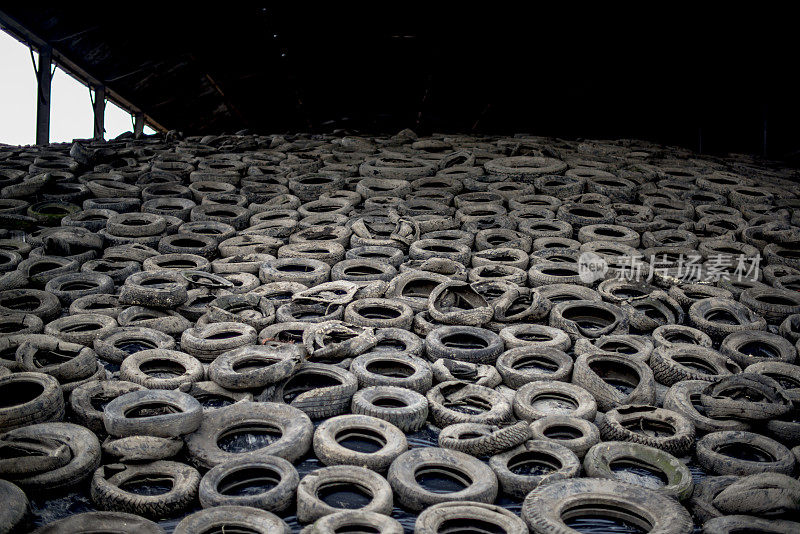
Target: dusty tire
{"x": 561, "y": 462}
{"x": 107, "y": 488}
{"x": 311, "y": 507}
{"x": 444, "y": 516}
{"x": 295, "y": 428}
{"x": 548, "y": 508}
{"x": 768, "y": 456}
{"x": 601, "y": 460}
{"x": 478, "y": 481}
{"x": 328, "y": 438}
{"x": 407, "y": 410}
{"x": 232, "y": 483}
{"x": 232, "y": 519}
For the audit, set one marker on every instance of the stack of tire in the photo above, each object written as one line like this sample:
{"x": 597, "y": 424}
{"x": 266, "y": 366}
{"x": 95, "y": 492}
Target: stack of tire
{"x": 248, "y": 333}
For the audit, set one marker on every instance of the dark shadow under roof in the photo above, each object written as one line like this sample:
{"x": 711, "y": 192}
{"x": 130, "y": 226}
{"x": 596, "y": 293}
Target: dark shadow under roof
{"x": 212, "y": 68}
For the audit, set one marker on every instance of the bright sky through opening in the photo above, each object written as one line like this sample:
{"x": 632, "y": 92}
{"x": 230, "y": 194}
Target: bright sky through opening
{"x": 71, "y": 113}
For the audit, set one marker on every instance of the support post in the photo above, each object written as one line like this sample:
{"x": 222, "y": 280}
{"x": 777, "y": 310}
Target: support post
{"x": 764, "y": 133}
{"x": 99, "y": 111}
{"x": 138, "y": 125}
{"x": 43, "y": 79}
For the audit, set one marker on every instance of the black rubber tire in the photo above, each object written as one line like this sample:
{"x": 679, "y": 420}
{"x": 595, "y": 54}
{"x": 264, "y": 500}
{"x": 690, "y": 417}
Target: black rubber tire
{"x": 548, "y": 507}
{"x": 253, "y": 367}
{"x": 439, "y": 517}
{"x": 63, "y": 360}
{"x": 597, "y": 372}
{"x": 479, "y": 480}
{"x": 684, "y": 398}
{"x": 487, "y": 405}
{"x": 84, "y": 398}
{"x": 750, "y": 347}
{"x": 169, "y": 291}
{"x": 406, "y": 409}
{"x": 207, "y": 342}
{"x": 463, "y": 343}
{"x": 388, "y": 369}
{"x": 574, "y": 318}
{"x": 389, "y": 440}
{"x": 146, "y": 368}
{"x": 120, "y": 342}
{"x": 379, "y": 313}
{"x": 574, "y": 433}
{"x": 711, "y": 455}
{"x": 681, "y": 362}
{"x": 15, "y": 506}
{"x": 329, "y": 396}
{"x": 232, "y": 519}
{"x": 46, "y": 306}
{"x": 355, "y": 519}
{"x": 533, "y": 335}
{"x": 84, "y": 451}
{"x": 563, "y": 463}
{"x": 675, "y": 433}
{"x": 478, "y": 439}
{"x": 183, "y": 416}
{"x": 295, "y": 427}
{"x": 311, "y": 507}
{"x": 529, "y": 364}
{"x": 703, "y": 311}
{"x": 122, "y": 523}
{"x": 562, "y": 398}
{"x": 43, "y": 402}
{"x": 235, "y": 475}
{"x": 108, "y": 482}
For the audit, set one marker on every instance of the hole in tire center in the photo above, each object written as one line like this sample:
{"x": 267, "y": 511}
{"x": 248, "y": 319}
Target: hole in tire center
{"x": 537, "y": 362}
{"x": 148, "y": 485}
{"x": 639, "y": 473}
{"x": 649, "y": 427}
{"x": 379, "y": 312}
{"x": 722, "y": 317}
{"x": 77, "y": 286}
{"x": 150, "y": 409}
{"x": 44, "y": 357}
{"x": 759, "y": 349}
{"x": 363, "y": 440}
{"x": 468, "y": 526}
{"x": 18, "y": 393}
{"x": 389, "y": 402}
{"x": 533, "y": 463}
{"x": 249, "y": 436}
{"x": 162, "y": 368}
{"x": 463, "y": 340}
{"x": 695, "y": 363}
{"x": 620, "y": 376}
{"x": 554, "y": 403}
{"x": 679, "y": 337}
{"x": 617, "y": 346}
{"x": 248, "y": 481}
{"x": 562, "y": 432}
{"x": 390, "y": 368}
{"x": 344, "y": 495}
{"x": 745, "y": 451}
{"x": 442, "y": 478}
{"x": 306, "y": 381}
{"x": 605, "y": 518}
{"x": 589, "y": 318}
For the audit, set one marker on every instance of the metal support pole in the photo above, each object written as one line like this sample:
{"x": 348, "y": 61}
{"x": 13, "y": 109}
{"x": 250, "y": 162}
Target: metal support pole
{"x": 138, "y": 125}
{"x": 99, "y": 111}
{"x": 764, "y": 133}
{"x": 43, "y": 79}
